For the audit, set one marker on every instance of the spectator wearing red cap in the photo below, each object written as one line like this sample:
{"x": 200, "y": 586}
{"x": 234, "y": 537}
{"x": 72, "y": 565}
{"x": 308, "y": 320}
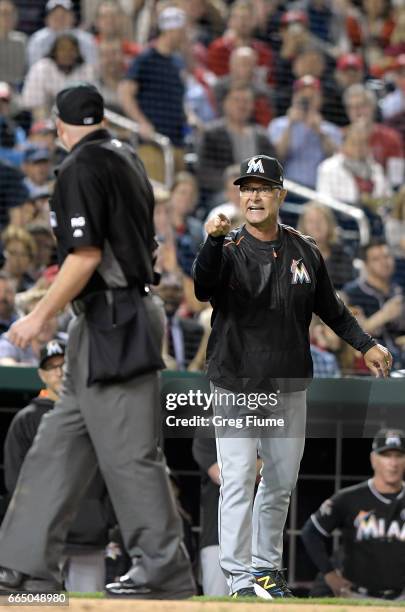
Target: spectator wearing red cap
{"x": 386, "y": 143}
{"x": 239, "y": 33}
{"x": 302, "y": 137}
{"x": 12, "y": 45}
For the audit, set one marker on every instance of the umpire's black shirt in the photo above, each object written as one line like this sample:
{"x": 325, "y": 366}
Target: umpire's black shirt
{"x": 264, "y": 294}
{"x": 103, "y": 199}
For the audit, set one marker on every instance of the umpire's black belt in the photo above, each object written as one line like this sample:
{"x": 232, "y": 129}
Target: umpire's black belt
{"x": 80, "y": 306}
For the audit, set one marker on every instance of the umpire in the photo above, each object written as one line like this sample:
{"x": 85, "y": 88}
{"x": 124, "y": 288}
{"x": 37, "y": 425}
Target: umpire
{"x": 108, "y": 412}
{"x": 264, "y": 280}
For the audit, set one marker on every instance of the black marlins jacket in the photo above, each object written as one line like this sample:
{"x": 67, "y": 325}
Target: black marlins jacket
{"x": 263, "y": 295}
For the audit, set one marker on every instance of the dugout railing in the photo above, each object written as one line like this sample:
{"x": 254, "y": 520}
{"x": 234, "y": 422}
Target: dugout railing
{"x": 343, "y": 416}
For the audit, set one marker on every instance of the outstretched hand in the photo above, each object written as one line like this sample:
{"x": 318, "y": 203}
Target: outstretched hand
{"x": 378, "y": 359}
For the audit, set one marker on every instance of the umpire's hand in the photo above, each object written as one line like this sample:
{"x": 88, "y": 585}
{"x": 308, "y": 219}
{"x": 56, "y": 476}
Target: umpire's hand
{"x": 378, "y": 360}
{"x": 218, "y": 226}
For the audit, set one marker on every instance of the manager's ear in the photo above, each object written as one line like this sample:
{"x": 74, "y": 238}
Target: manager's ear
{"x": 282, "y": 196}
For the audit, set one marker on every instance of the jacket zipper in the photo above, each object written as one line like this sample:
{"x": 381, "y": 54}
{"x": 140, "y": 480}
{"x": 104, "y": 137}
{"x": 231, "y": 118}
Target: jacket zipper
{"x": 278, "y": 300}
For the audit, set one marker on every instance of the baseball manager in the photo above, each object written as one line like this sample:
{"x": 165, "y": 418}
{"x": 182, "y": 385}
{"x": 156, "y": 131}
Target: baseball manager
{"x": 264, "y": 280}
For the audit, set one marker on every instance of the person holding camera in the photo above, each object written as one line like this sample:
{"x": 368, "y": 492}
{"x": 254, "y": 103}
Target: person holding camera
{"x": 302, "y": 138}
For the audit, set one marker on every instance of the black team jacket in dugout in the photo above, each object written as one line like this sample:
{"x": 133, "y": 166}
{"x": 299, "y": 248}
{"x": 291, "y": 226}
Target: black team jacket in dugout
{"x": 263, "y": 295}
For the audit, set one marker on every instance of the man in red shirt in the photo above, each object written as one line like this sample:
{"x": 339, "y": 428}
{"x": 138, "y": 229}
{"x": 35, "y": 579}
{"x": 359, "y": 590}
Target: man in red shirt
{"x": 239, "y": 33}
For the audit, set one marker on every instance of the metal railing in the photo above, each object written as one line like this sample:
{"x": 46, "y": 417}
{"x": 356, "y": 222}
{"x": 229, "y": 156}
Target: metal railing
{"x": 158, "y": 139}
{"x": 351, "y": 211}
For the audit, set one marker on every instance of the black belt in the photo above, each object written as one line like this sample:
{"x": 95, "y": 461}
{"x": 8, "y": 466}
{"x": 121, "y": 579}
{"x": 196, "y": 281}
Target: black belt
{"x": 80, "y": 306}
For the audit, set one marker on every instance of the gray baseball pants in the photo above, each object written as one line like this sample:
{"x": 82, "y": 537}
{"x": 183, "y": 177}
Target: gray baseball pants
{"x": 250, "y": 541}
{"x": 116, "y": 426}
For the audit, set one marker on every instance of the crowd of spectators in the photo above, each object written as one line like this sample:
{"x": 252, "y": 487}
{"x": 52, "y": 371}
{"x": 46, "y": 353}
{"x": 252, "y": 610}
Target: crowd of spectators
{"x": 319, "y": 84}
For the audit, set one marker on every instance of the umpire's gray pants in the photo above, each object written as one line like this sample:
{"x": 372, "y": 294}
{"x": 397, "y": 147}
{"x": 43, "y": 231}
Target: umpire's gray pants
{"x": 249, "y": 542}
{"x": 118, "y": 427}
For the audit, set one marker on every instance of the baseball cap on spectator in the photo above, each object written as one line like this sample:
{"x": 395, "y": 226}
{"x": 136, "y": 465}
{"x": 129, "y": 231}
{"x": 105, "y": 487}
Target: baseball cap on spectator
{"x": 34, "y": 154}
{"x": 350, "y": 61}
{"x": 5, "y": 91}
{"x": 294, "y": 16}
{"x": 44, "y": 126}
{"x": 80, "y": 104}
{"x": 389, "y": 439}
{"x": 53, "y": 4}
{"x": 261, "y": 166}
{"x": 307, "y": 81}
{"x": 171, "y": 18}
{"x": 51, "y": 349}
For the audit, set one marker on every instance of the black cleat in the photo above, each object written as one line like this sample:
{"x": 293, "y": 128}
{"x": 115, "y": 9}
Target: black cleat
{"x": 10, "y": 579}
{"x": 272, "y": 583}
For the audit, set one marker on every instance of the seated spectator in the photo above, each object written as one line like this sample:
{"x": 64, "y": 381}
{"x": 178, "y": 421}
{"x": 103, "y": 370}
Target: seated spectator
{"x": 243, "y": 70}
{"x": 13, "y": 192}
{"x": 45, "y": 248}
{"x": 295, "y": 37}
{"x": 152, "y": 92}
{"x": 59, "y": 19}
{"x": 7, "y": 304}
{"x": 19, "y": 253}
{"x": 239, "y": 33}
{"x": 381, "y": 301}
{"x": 12, "y": 45}
{"x": 12, "y": 136}
{"x": 327, "y": 25}
{"x": 371, "y": 24}
{"x": 318, "y": 221}
{"x": 86, "y": 540}
{"x": 352, "y": 175}
{"x": 183, "y": 335}
{"x": 371, "y": 518}
{"x": 37, "y": 168}
{"x": 349, "y": 71}
{"x": 43, "y": 134}
{"x": 393, "y": 103}
{"x": 206, "y": 19}
{"x": 230, "y": 140}
{"x": 324, "y": 363}
{"x": 109, "y": 25}
{"x": 188, "y": 232}
{"x": 11, "y": 355}
{"x": 302, "y": 138}
{"x": 385, "y": 143}
{"x": 111, "y": 72}
{"x": 47, "y": 76}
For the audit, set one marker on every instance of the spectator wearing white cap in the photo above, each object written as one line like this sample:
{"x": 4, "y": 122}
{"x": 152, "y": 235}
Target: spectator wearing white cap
{"x": 59, "y": 18}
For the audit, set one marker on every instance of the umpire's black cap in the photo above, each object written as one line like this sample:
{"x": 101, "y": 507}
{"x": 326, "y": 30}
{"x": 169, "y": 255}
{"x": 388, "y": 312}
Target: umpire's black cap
{"x": 54, "y": 348}
{"x": 389, "y": 439}
{"x": 80, "y": 104}
{"x": 263, "y": 167}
